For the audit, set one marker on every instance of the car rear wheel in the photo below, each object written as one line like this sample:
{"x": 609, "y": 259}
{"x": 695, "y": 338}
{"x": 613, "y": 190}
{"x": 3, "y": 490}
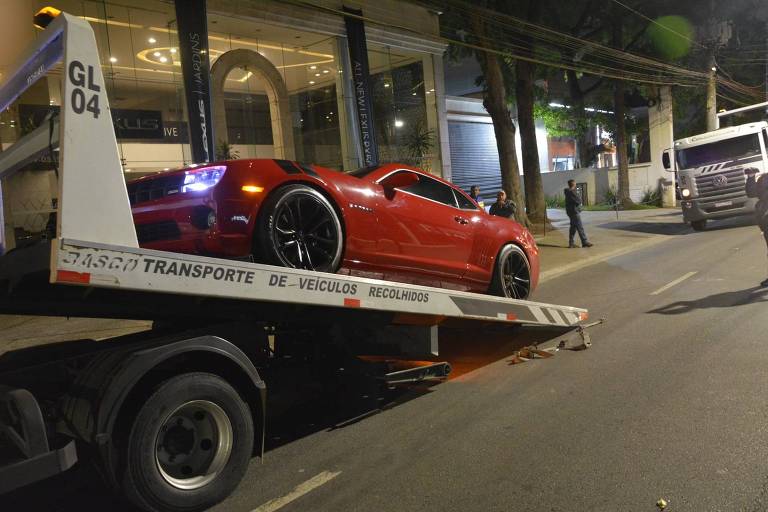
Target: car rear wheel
{"x": 512, "y": 274}
{"x": 300, "y": 228}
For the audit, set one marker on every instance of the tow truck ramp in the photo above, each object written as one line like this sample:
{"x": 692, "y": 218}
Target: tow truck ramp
{"x": 92, "y": 265}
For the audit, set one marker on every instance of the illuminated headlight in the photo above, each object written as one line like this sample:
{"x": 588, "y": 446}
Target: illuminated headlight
{"x": 685, "y": 192}
{"x": 203, "y": 178}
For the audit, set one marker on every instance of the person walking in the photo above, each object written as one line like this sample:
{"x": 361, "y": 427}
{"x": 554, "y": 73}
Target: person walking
{"x": 758, "y": 187}
{"x": 502, "y": 207}
{"x": 573, "y": 209}
{"x": 474, "y": 193}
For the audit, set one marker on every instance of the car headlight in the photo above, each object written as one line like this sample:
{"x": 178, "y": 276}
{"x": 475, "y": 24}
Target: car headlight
{"x": 203, "y": 178}
{"x": 685, "y": 192}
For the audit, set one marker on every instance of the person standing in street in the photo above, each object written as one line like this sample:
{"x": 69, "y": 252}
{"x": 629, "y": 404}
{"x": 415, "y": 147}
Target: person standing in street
{"x": 758, "y": 187}
{"x": 474, "y": 193}
{"x": 573, "y": 209}
{"x": 502, "y": 207}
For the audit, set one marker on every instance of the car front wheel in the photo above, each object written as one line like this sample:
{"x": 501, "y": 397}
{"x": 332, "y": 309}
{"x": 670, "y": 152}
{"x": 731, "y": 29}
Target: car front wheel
{"x": 512, "y": 274}
{"x": 300, "y": 228}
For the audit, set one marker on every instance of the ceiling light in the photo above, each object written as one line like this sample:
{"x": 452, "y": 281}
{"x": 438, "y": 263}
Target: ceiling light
{"x": 325, "y": 71}
{"x": 157, "y": 54}
{"x": 311, "y": 82}
{"x": 166, "y": 168}
{"x": 127, "y": 170}
{"x": 413, "y": 94}
{"x": 173, "y": 50}
{"x": 431, "y": 90}
{"x": 165, "y": 59}
{"x": 398, "y": 123}
{"x": 312, "y": 67}
{"x": 317, "y": 74}
{"x": 152, "y": 40}
{"x": 113, "y": 59}
{"x": 386, "y": 84}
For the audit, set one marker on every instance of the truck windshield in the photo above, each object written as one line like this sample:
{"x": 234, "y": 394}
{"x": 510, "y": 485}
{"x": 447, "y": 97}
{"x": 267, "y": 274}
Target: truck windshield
{"x": 720, "y": 151}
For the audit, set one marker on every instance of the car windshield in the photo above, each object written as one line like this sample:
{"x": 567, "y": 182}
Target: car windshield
{"x": 721, "y": 151}
{"x": 363, "y": 171}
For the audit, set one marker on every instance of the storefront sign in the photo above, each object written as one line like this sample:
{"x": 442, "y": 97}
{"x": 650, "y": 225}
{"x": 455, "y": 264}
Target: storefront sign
{"x": 358, "y": 53}
{"x": 137, "y": 124}
{"x": 193, "y": 45}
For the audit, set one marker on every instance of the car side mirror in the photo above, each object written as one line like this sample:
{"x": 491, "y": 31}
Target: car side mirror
{"x": 399, "y": 180}
{"x": 665, "y": 160}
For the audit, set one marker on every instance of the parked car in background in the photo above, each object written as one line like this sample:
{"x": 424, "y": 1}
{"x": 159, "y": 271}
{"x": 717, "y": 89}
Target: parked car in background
{"x": 391, "y": 222}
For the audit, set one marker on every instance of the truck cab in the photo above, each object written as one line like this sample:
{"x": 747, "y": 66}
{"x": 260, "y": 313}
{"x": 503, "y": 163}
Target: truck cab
{"x": 710, "y": 171}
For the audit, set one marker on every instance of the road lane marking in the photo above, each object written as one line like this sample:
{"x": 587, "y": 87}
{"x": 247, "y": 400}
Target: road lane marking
{"x": 675, "y": 282}
{"x": 299, "y": 491}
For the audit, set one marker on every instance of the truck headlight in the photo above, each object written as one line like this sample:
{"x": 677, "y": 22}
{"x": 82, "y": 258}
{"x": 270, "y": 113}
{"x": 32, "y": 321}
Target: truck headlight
{"x": 685, "y": 192}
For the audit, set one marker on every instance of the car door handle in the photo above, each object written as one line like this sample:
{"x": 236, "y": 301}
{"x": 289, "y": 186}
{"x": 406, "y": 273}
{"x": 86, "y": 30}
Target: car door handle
{"x": 461, "y": 220}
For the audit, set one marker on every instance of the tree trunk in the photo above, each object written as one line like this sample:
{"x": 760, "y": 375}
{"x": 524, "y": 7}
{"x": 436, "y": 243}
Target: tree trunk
{"x": 621, "y": 145}
{"x": 495, "y": 102}
{"x": 583, "y": 142}
{"x": 621, "y": 129}
{"x": 534, "y": 191}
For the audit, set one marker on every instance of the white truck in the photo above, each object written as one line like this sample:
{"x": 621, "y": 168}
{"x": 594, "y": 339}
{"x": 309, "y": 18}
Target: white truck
{"x": 710, "y": 170}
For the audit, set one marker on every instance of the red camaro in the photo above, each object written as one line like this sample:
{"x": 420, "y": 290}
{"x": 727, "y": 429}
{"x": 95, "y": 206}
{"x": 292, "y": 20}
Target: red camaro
{"x": 389, "y": 222}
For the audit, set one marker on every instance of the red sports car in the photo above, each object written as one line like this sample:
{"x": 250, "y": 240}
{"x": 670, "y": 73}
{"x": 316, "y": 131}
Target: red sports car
{"x": 389, "y": 222}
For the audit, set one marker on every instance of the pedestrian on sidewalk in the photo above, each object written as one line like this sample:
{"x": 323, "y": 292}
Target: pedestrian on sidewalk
{"x": 573, "y": 209}
{"x": 474, "y": 193}
{"x": 502, "y": 207}
{"x": 758, "y": 187}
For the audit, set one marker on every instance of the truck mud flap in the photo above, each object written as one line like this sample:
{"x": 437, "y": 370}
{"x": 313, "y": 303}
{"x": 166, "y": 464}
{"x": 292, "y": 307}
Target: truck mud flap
{"x": 23, "y": 431}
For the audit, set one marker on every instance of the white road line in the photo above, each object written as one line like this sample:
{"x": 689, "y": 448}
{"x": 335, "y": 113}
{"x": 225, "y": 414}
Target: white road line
{"x": 675, "y": 282}
{"x": 299, "y": 491}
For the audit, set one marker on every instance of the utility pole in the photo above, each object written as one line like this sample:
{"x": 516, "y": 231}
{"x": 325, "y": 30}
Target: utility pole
{"x": 712, "y": 123}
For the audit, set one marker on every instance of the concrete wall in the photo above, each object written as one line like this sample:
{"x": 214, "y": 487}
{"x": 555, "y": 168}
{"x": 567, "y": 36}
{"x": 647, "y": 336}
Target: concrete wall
{"x": 641, "y": 178}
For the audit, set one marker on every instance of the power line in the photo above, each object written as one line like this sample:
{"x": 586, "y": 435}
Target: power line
{"x": 659, "y": 24}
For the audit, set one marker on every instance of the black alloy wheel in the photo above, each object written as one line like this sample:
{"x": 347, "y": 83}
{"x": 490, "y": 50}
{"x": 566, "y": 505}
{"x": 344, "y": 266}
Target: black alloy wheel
{"x": 302, "y": 230}
{"x": 512, "y": 276}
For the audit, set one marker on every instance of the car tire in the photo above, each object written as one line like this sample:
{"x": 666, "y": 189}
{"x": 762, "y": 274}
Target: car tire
{"x": 699, "y": 225}
{"x": 299, "y": 228}
{"x": 189, "y": 445}
{"x": 511, "y": 274}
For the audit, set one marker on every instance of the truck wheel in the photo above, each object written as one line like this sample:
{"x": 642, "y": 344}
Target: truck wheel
{"x": 189, "y": 445}
{"x": 699, "y": 225}
{"x": 511, "y": 274}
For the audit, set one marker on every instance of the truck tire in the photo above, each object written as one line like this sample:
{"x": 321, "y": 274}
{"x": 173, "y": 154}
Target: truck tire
{"x": 189, "y": 445}
{"x": 699, "y": 225}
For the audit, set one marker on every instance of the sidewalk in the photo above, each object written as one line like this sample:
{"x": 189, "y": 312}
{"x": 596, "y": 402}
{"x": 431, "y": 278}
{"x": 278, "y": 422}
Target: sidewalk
{"x": 632, "y": 231}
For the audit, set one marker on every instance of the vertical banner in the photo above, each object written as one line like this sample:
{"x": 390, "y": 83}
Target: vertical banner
{"x": 358, "y": 53}
{"x": 192, "y": 22}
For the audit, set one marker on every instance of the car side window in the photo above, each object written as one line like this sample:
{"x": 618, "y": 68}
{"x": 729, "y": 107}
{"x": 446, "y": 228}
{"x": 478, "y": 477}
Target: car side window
{"x": 432, "y": 189}
{"x": 464, "y": 202}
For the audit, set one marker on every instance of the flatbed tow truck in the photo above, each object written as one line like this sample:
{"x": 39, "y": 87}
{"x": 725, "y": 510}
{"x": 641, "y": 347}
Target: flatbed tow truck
{"x": 172, "y": 416}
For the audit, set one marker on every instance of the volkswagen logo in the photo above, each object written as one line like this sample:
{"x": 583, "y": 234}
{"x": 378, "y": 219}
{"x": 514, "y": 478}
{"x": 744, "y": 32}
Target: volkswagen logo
{"x": 720, "y": 181}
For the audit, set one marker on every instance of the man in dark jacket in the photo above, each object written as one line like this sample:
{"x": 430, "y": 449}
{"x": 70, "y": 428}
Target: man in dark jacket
{"x": 502, "y": 207}
{"x": 573, "y": 209}
{"x": 758, "y": 187}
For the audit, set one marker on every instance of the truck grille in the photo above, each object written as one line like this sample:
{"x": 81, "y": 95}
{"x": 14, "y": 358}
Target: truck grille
{"x": 155, "y": 188}
{"x": 735, "y": 179}
{"x": 166, "y": 230}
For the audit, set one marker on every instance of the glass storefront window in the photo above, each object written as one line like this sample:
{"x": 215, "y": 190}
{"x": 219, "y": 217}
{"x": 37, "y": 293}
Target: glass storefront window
{"x": 307, "y": 69}
{"x": 405, "y": 119}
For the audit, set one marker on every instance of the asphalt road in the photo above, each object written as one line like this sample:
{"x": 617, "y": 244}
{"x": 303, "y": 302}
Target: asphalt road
{"x": 668, "y": 403}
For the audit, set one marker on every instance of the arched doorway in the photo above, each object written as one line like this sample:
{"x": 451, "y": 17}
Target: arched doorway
{"x": 276, "y": 91}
